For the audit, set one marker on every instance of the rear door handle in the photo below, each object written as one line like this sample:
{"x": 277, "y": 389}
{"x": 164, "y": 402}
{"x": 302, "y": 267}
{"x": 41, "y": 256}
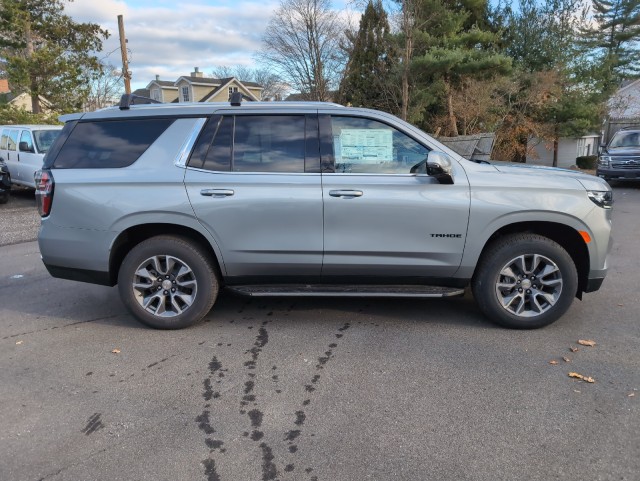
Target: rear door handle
{"x": 217, "y": 192}
{"x": 345, "y": 193}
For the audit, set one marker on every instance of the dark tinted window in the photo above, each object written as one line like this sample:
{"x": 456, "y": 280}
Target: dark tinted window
{"x": 203, "y": 143}
{"x": 269, "y": 143}
{"x": 219, "y": 155}
{"x": 109, "y": 144}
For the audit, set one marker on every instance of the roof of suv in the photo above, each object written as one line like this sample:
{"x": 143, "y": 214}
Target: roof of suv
{"x": 192, "y": 108}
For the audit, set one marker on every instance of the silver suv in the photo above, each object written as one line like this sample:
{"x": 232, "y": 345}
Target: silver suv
{"x": 174, "y": 202}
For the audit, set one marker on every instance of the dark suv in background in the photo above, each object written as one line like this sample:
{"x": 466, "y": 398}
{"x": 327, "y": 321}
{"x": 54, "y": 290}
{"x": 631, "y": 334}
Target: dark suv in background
{"x": 620, "y": 158}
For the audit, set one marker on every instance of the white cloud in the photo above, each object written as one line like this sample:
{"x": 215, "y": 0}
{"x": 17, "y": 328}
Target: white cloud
{"x": 170, "y": 38}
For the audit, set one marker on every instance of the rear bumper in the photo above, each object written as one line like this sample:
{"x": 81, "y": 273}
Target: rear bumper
{"x": 80, "y": 275}
{"x": 76, "y": 254}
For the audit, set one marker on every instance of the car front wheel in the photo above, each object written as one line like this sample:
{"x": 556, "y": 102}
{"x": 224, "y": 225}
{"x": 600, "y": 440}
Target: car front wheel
{"x": 525, "y": 281}
{"x": 168, "y": 282}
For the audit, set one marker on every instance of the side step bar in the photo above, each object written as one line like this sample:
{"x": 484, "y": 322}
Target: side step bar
{"x": 345, "y": 291}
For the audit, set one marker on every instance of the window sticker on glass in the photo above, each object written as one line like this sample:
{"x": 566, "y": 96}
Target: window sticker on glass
{"x": 364, "y": 145}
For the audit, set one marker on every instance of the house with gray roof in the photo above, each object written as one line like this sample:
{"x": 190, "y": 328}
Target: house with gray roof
{"x": 195, "y": 87}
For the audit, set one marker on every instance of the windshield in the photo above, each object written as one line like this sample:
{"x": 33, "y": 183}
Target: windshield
{"x": 625, "y": 139}
{"x": 44, "y": 139}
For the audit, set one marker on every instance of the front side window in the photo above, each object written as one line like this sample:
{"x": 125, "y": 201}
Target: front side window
{"x": 109, "y": 144}
{"x": 25, "y": 137}
{"x": 185, "y": 94}
{"x": 365, "y": 146}
{"x": 44, "y": 139}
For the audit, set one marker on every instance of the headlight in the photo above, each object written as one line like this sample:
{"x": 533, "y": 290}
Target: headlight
{"x": 601, "y": 198}
{"x": 604, "y": 160}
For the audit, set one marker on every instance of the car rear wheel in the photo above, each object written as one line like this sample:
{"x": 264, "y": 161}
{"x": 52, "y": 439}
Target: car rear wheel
{"x": 168, "y": 282}
{"x": 525, "y": 281}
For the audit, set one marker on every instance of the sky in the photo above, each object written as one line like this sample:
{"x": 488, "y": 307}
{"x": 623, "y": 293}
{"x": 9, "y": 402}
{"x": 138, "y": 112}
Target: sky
{"x": 170, "y": 38}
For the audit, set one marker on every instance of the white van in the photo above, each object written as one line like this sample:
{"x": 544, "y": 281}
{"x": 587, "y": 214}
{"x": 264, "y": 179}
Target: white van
{"x": 22, "y": 147}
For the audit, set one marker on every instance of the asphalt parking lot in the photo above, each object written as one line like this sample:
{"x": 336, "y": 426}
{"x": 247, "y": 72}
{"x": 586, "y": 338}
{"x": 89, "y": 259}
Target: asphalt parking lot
{"x": 313, "y": 389}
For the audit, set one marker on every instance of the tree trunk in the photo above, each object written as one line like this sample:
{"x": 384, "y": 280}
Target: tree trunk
{"x": 407, "y": 26}
{"x": 555, "y": 147}
{"x": 453, "y": 124}
{"x": 33, "y": 81}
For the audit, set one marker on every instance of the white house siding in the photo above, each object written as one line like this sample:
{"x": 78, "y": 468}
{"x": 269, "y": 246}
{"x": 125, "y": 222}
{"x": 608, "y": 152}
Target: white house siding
{"x": 568, "y": 150}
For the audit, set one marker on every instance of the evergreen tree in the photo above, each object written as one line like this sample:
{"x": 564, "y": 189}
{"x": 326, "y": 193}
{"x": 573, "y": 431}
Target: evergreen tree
{"x": 368, "y": 78}
{"x": 456, "y": 48}
{"x": 47, "y": 53}
{"x": 616, "y": 39}
{"x": 544, "y": 41}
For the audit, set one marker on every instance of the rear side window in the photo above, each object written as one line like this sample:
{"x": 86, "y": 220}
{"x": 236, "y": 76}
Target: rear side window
{"x": 109, "y": 144}
{"x": 269, "y": 143}
{"x": 4, "y": 139}
{"x": 12, "y": 142}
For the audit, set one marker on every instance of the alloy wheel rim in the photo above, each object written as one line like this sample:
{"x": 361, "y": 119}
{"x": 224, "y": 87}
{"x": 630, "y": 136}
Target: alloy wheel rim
{"x": 529, "y": 285}
{"x": 164, "y": 286}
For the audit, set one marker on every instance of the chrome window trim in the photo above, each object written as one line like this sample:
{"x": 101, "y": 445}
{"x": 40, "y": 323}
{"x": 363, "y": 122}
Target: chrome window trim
{"x": 185, "y": 150}
{"x": 229, "y": 172}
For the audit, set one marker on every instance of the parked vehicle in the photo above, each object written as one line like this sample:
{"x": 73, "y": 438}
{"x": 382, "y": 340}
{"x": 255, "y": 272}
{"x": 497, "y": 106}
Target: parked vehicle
{"x": 620, "y": 158}
{"x": 23, "y": 148}
{"x": 173, "y": 202}
{"x": 5, "y": 183}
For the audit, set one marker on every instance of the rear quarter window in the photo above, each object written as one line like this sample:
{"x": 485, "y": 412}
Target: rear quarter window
{"x": 109, "y": 144}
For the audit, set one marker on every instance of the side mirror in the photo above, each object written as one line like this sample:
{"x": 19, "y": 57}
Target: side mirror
{"x": 24, "y": 147}
{"x": 437, "y": 165}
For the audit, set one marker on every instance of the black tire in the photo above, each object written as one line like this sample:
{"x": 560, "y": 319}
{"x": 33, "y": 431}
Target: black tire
{"x": 4, "y": 197}
{"x": 529, "y": 301}
{"x": 182, "y": 273}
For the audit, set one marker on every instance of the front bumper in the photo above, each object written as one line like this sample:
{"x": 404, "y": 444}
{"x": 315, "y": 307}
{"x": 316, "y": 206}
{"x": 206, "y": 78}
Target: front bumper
{"x": 627, "y": 173}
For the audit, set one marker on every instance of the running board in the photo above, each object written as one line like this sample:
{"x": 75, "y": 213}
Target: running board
{"x": 345, "y": 291}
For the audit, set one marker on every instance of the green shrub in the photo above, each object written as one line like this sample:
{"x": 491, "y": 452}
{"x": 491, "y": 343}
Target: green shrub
{"x": 587, "y": 162}
{"x": 10, "y": 115}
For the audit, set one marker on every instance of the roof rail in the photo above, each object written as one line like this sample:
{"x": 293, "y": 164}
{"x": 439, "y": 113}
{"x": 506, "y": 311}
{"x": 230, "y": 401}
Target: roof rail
{"x": 237, "y": 98}
{"x": 127, "y": 100}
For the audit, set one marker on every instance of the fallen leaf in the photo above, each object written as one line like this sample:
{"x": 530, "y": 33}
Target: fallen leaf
{"x": 574, "y": 349}
{"x": 19, "y": 342}
{"x": 116, "y": 351}
{"x": 581, "y": 377}
{"x": 553, "y": 362}
{"x": 566, "y": 359}
{"x": 586, "y": 343}
{"x": 632, "y": 394}
{"x": 575, "y": 390}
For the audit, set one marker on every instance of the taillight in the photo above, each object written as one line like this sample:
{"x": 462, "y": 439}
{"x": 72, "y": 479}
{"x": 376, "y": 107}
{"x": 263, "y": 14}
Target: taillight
{"x": 44, "y": 191}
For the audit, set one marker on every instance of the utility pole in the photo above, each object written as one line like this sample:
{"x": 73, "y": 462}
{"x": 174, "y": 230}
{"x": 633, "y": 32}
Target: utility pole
{"x": 125, "y": 62}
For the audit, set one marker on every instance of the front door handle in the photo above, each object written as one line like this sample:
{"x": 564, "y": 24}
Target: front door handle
{"x": 217, "y": 192}
{"x": 345, "y": 193}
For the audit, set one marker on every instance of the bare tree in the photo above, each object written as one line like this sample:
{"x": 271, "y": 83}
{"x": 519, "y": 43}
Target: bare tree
{"x": 106, "y": 87}
{"x": 301, "y": 45}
